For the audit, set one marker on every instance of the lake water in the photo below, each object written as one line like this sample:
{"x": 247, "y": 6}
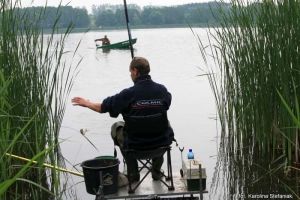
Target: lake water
{"x": 175, "y": 61}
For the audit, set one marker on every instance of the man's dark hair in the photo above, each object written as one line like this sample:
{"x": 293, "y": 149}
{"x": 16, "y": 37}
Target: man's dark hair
{"x": 141, "y": 64}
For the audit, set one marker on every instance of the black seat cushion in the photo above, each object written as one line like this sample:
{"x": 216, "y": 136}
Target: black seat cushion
{"x": 147, "y": 154}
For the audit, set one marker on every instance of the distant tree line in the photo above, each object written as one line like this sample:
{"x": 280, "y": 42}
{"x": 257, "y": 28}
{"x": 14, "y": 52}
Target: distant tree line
{"x": 60, "y": 17}
{"x": 114, "y": 15}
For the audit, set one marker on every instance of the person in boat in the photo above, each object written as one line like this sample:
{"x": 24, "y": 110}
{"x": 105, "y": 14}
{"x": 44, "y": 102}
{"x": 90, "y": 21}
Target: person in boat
{"x": 144, "y": 98}
{"x": 105, "y": 40}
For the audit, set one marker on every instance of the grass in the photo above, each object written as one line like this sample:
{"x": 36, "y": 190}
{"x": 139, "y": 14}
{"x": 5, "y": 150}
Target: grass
{"x": 255, "y": 78}
{"x": 35, "y": 83}
{"x": 255, "y": 52}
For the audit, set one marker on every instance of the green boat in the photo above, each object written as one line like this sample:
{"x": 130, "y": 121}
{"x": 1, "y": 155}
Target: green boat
{"x": 119, "y": 45}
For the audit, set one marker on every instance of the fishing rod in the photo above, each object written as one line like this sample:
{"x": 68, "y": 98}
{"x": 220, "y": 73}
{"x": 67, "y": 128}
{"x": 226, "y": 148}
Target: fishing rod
{"x": 46, "y": 165}
{"x": 128, "y": 29}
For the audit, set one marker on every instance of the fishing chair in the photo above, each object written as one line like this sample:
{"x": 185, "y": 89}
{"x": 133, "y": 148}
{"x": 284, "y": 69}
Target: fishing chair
{"x": 143, "y": 127}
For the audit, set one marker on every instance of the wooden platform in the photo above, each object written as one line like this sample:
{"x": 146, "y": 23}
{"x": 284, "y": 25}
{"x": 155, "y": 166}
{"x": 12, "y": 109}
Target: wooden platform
{"x": 149, "y": 189}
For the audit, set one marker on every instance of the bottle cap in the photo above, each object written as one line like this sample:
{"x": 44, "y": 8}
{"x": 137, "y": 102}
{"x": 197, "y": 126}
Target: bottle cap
{"x": 190, "y": 150}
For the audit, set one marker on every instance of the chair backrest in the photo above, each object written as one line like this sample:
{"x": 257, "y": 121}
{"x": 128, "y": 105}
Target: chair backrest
{"x": 145, "y": 125}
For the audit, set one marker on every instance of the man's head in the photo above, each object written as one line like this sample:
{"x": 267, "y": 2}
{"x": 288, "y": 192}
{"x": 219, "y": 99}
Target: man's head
{"x": 105, "y": 36}
{"x": 138, "y": 66}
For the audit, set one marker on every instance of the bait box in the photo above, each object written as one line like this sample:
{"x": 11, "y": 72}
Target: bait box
{"x": 191, "y": 174}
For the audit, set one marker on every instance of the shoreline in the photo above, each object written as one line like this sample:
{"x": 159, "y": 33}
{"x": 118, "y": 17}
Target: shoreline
{"x": 107, "y": 28}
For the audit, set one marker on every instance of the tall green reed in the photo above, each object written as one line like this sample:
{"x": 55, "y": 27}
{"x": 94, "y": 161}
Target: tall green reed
{"x": 255, "y": 48}
{"x": 255, "y": 57}
{"x": 35, "y": 83}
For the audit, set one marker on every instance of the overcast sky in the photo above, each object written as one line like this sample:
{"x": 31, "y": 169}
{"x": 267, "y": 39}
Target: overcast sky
{"x": 88, "y": 3}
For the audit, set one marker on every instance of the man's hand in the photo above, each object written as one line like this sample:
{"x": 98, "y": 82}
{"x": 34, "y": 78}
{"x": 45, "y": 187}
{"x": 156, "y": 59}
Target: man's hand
{"x": 78, "y": 101}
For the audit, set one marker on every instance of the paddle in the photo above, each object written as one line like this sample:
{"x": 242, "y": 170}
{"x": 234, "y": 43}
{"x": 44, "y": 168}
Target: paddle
{"x": 128, "y": 29}
{"x": 96, "y": 40}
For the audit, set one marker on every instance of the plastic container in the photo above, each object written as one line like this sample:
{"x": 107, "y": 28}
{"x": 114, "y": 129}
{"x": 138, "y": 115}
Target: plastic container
{"x": 190, "y": 154}
{"x": 91, "y": 172}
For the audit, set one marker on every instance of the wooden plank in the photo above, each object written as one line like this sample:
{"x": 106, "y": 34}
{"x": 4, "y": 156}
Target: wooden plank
{"x": 150, "y": 188}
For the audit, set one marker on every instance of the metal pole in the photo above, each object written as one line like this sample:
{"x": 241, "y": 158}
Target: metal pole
{"x": 200, "y": 183}
{"x": 128, "y": 28}
{"x": 99, "y": 193}
{"x": 46, "y": 165}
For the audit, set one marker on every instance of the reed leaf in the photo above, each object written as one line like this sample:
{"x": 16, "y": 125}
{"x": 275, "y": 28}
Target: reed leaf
{"x": 255, "y": 51}
{"x": 7, "y": 183}
{"x": 35, "y": 83}
{"x": 255, "y": 78}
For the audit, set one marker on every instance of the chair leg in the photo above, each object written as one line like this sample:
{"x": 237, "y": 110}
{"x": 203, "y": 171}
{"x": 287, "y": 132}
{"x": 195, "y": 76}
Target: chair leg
{"x": 170, "y": 186}
{"x": 169, "y": 166}
{"x": 170, "y": 175}
{"x": 137, "y": 185}
{"x": 130, "y": 178}
{"x": 130, "y": 190}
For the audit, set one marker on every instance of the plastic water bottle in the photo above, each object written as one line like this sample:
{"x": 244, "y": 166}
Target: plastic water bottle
{"x": 190, "y": 154}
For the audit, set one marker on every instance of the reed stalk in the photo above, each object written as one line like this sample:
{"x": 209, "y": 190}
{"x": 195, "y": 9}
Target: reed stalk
{"x": 35, "y": 83}
{"x": 255, "y": 78}
{"x": 256, "y": 51}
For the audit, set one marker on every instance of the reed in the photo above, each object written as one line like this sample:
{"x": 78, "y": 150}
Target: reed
{"x": 255, "y": 80}
{"x": 35, "y": 83}
{"x": 255, "y": 48}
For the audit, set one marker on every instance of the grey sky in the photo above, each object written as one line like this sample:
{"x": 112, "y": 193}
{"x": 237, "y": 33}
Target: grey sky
{"x": 88, "y": 3}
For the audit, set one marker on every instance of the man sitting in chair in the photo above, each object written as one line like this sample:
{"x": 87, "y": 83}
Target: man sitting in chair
{"x": 146, "y": 99}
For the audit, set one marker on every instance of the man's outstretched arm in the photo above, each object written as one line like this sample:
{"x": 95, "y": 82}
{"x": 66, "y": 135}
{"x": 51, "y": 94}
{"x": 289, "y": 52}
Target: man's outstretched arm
{"x": 78, "y": 101}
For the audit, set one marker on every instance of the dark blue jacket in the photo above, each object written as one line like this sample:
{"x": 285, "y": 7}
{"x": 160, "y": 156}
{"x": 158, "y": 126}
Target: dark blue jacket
{"x": 144, "y": 98}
